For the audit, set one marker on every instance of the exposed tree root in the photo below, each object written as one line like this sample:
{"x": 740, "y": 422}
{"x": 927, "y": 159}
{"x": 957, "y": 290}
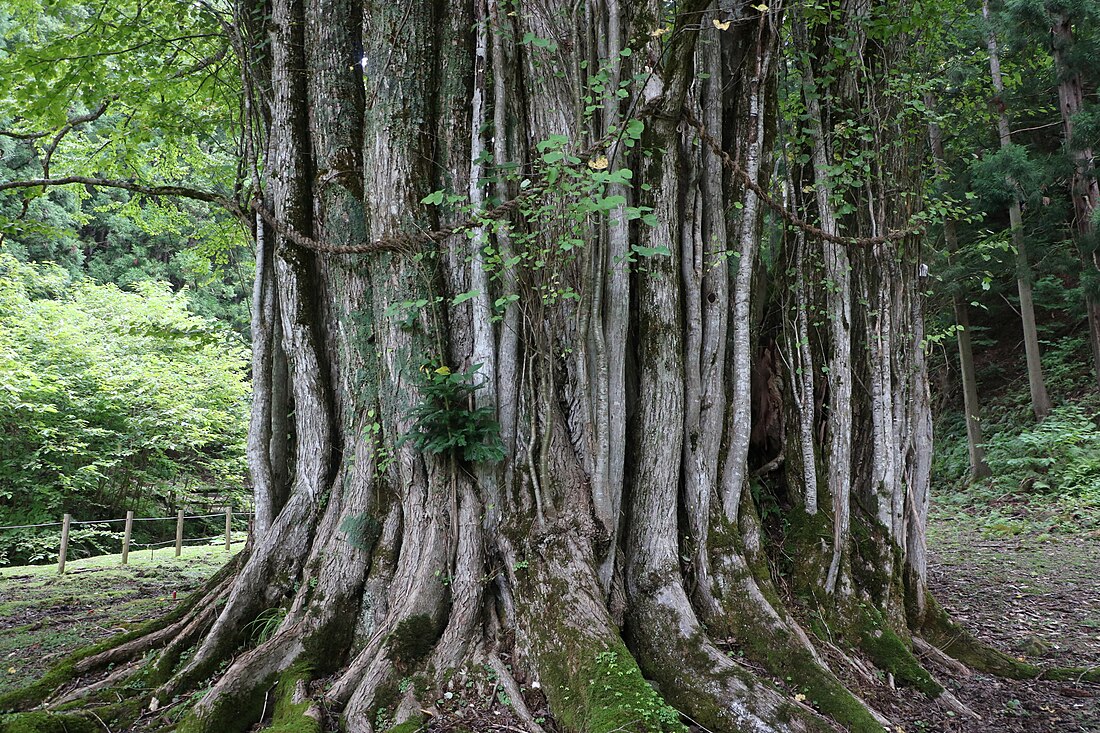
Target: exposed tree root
{"x": 755, "y": 622}
{"x": 697, "y": 677}
{"x": 119, "y": 648}
{"x": 265, "y": 580}
{"x": 924, "y": 649}
{"x": 938, "y": 628}
{"x": 569, "y": 646}
{"x": 589, "y": 677}
{"x": 294, "y": 709}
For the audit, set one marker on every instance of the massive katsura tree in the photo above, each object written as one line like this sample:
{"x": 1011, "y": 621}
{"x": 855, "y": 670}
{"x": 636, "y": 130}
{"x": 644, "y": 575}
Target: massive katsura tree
{"x": 555, "y": 404}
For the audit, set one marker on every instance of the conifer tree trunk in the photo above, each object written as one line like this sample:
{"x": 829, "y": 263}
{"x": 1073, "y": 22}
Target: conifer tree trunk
{"x": 978, "y": 467}
{"x": 1084, "y": 187}
{"x": 1040, "y": 402}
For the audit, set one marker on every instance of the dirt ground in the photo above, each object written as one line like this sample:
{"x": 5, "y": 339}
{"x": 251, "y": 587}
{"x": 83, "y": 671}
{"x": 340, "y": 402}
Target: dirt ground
{"x": 1037, "y": 600}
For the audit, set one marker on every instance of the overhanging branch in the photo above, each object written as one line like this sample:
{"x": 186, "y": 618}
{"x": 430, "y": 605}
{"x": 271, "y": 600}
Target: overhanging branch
{"x": 186, "y": 192}
{"x": 69, "y": 127}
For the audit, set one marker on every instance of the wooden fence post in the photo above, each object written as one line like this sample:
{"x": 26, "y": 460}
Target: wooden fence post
{"x": 179, "y": 532}
{"x": 64, "y": 543}
{"x": 126, "y": 536}
{"x": 228, "y": 526}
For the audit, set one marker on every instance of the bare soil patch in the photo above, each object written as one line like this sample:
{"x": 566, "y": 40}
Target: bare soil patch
{"x": 1038, "y": 600}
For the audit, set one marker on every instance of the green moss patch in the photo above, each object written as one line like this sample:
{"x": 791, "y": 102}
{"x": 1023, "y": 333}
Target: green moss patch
{"x": 412, "y": 725}
{"x": 46, "y": 723}
{"x": 891, "y": 654}
{"x": 290, "y": 716}
{"x": 231, "y": 713}
{"x": 611, "y": 695}
{"x": 413, "y": 638}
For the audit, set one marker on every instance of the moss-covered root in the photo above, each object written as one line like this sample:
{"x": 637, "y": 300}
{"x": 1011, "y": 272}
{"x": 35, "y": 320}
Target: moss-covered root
{"x": 823, "y": 691}
{"x": 285, "y": 696}
{"x": 227, "y": 713}
{"x": 699, "y": 679}
{"x": 607, "y": 693}
{"x": 412, "y": 725}
{"x": 47, "y": 723}
{"x": 890, "y": 654}
{"x": 294, "y": 709}
{"x": 72, "y": 666}
{"x": 950, "y": 638}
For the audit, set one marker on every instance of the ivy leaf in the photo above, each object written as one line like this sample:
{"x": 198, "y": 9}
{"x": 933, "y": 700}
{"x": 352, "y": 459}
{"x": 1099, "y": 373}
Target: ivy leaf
{"x": 463, "y": 297}
{"x": 650, "y": 251}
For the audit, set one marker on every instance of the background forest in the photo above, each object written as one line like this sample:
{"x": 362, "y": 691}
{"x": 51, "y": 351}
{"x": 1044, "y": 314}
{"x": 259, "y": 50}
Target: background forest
{"x": 123, "y": 317}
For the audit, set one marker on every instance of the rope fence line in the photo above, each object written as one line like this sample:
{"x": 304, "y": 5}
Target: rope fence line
{"x": 32, "y": 526}
{"x": 411, "y": 243}
{"x": 154, "y": 545}
{"x": 68, "y": 522}
{"x": 109, "y": 521}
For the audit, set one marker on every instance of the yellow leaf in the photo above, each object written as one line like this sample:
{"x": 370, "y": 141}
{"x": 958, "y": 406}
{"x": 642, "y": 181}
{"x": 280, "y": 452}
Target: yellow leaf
{"x": 11, "y": 670}
{"x": 659, "y": 32}
{"x": 720, "y": 25}
{"x": 444, "y": 370}
{"x": 799, "y": 697}
{"x": 761, "y": 7}
{"x": 599, "y": 163}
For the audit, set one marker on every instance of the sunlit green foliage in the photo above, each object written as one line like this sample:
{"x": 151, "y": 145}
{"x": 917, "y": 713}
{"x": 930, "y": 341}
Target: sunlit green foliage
{"x": 170, "y": 84}
{"x": 111, "y": 399}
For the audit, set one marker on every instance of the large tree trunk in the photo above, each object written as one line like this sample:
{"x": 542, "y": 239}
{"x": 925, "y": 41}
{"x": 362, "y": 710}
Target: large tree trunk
{"x": 537, "y": 461}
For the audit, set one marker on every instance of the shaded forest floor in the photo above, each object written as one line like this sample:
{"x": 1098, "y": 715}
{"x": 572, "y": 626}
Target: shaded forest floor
{"x": 1034, "y": 596}
{"x": 1038, "y": 599}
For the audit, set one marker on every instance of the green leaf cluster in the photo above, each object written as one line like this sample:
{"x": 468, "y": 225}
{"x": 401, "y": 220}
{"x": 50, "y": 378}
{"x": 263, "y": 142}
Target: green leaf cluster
{"x": 445, "y": 422}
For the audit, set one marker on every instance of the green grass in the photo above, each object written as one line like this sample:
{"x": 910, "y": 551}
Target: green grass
{"x": 44, "y": 616}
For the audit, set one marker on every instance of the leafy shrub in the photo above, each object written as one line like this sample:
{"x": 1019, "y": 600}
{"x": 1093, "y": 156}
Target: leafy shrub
{"x": 33, "y": 547}
{"x": 111, "y": 400}
{"x": 1061, "y": 454}
{"x": 444, "y": 422}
